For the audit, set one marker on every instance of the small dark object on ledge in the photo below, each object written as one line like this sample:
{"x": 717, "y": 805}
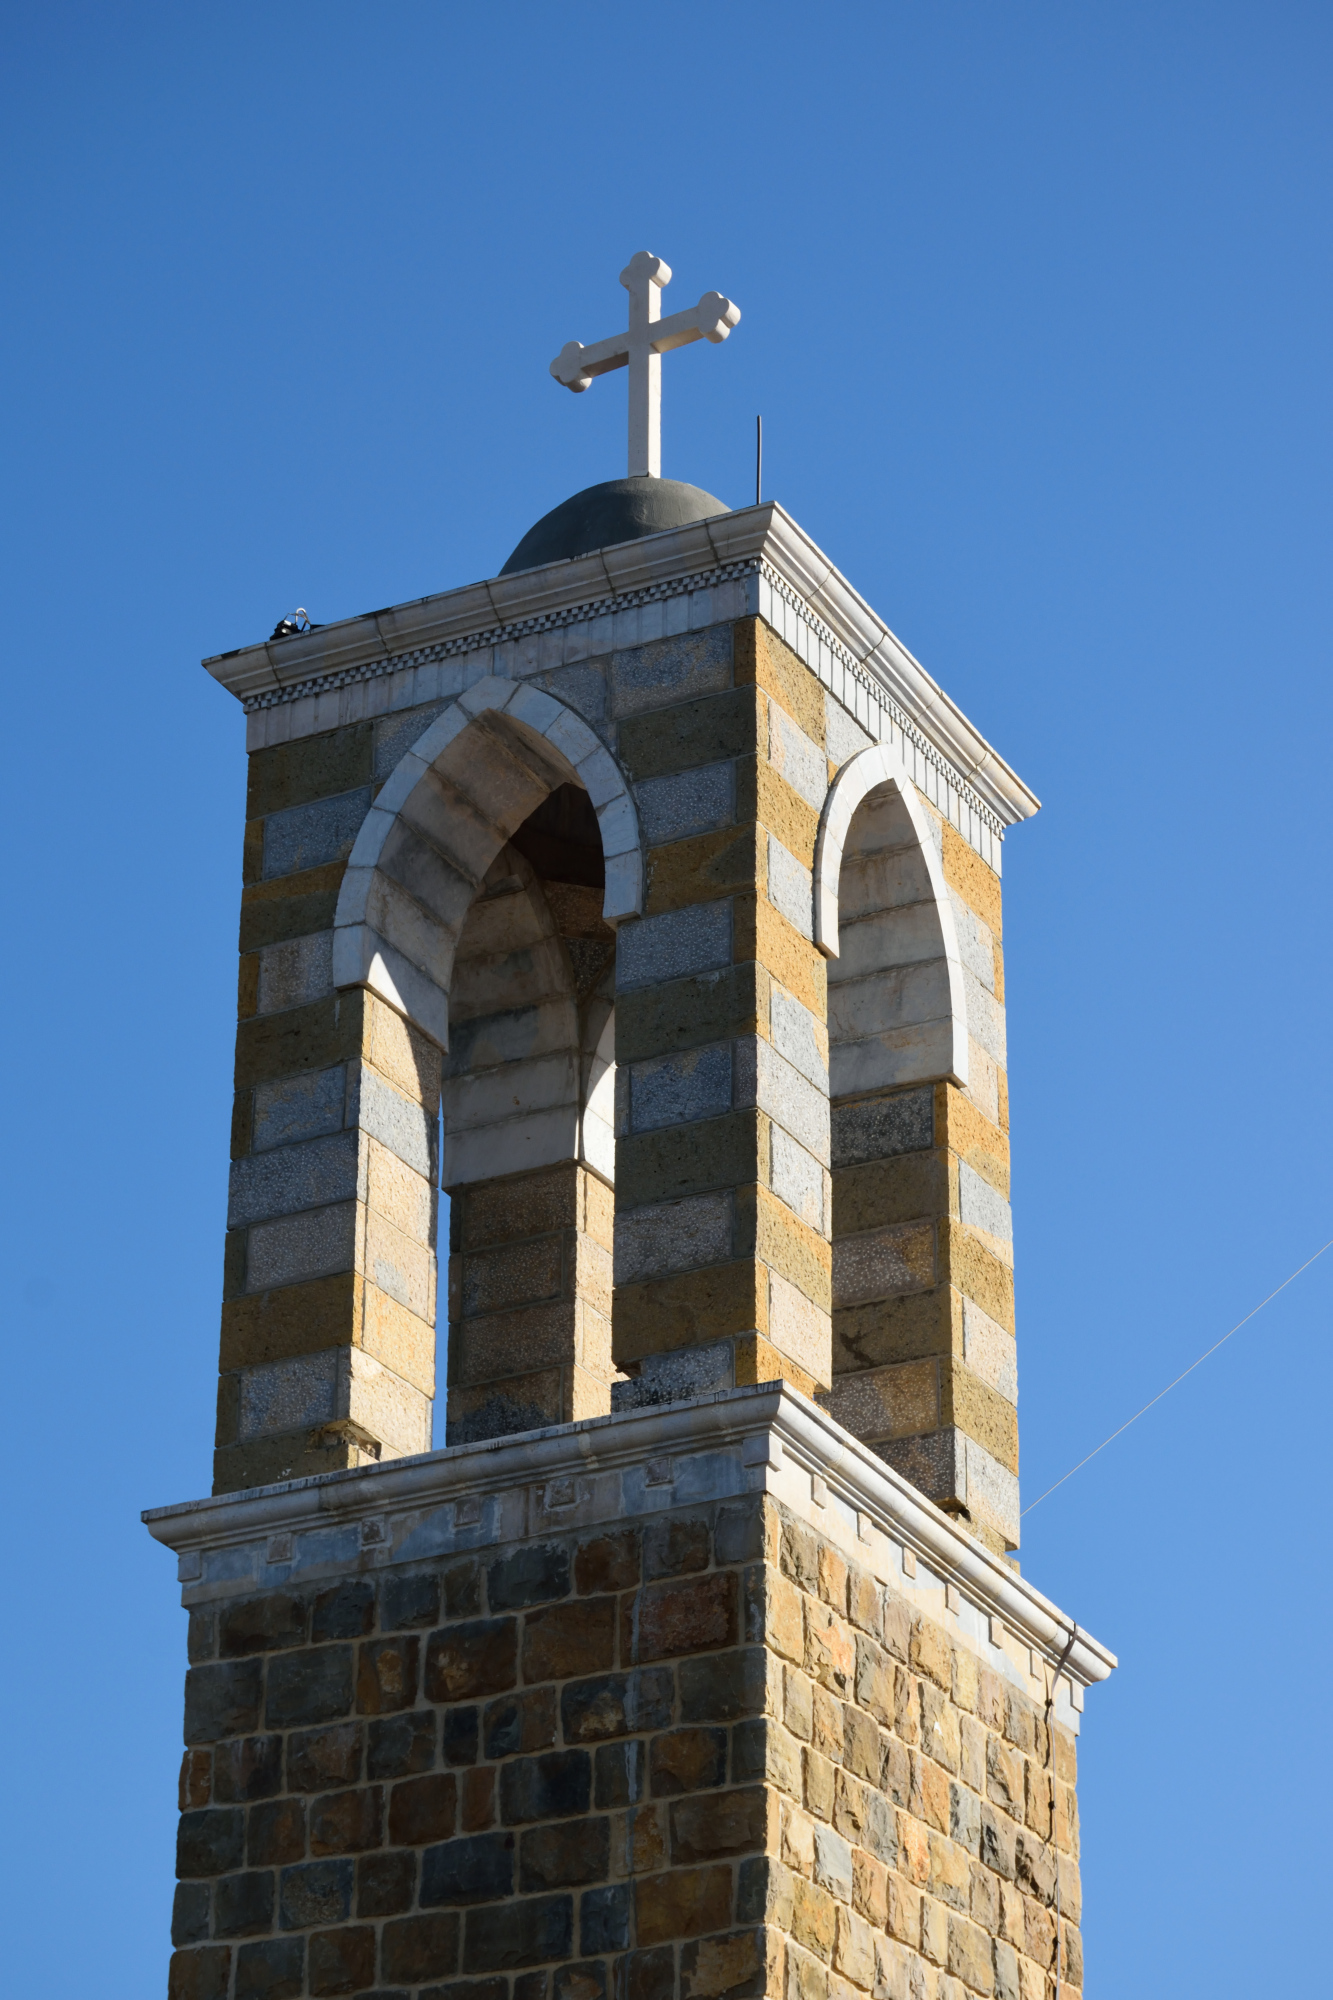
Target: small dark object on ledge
{"x": 287, "y": 628}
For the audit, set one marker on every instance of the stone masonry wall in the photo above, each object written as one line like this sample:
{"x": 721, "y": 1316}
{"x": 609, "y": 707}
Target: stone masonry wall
{"x": 698, "y": 1753}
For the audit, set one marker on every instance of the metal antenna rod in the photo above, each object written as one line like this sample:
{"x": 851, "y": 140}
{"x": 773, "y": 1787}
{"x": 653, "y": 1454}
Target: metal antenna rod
{"x": 758, "y": 460}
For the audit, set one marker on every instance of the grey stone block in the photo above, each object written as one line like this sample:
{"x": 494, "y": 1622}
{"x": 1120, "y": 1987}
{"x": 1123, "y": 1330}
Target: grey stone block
{"x": 320, "y": 1892}
{"x": 790, "y": 888}
{"x": 286, "y": 1179}
{"x": 686, "y": 803}
{"x": 671, "y": 670}
{"x": 309, "y": 836}
{"x": 679, "y": 1089}
{"x": 407, "y": 1129}
{"x": 935, "y": 1464}
{"x": 581, "y": 688}
{"x": 797, "y": 1037}
{"x": 222, "y": 1700}
{"x": 833, "y": 1863}
{"x": 673, "y": 945}
{"x": 189, "y": 1913}
{"x": 765, "y": 1078}
{"x": 797, "y": 1178}
{"x": 289, "y": 1395}
{"x": 981, "y": 1206}
{"x": 801, "y": 762}
{"x": 882, "y": 1126}
{"x": 843, "y": 735}
{"x": 295, "y": 972}
{"x": 985, "y": 1018}
{"x": 309, "y": 1687}
{"x": 675, "y": 1378}
{"x": 673, "y": 1236}
{"x": 300, "y": 1107}
{"x": 395, "y": 734}
{"x": 311, "y": 1245}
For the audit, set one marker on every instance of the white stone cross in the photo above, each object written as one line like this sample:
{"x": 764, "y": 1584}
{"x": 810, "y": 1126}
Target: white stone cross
{"x": 641, "y": 349}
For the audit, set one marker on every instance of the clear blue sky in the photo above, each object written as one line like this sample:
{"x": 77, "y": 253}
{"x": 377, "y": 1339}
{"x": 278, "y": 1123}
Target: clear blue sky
{"x": 1036, "y": 307}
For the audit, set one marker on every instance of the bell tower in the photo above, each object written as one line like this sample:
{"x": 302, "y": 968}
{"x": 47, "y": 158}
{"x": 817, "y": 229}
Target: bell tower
{"x": 645, "y": 898}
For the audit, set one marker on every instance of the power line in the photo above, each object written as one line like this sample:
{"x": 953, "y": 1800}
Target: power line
{"x": 1180, "y": 1378}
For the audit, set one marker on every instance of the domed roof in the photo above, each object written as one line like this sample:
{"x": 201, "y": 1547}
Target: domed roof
{"x": 619, "y": 510}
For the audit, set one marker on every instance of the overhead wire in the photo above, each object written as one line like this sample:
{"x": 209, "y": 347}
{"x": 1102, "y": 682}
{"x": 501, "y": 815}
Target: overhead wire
{"x": 1180, "y": 1378}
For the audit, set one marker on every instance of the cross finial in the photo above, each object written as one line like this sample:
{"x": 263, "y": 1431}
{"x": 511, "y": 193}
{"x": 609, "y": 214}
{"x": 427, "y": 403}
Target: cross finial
{"x": 641, "y": 350}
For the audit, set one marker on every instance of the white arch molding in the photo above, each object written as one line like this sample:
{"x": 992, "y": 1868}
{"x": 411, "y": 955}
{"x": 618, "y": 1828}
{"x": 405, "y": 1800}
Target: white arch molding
{"x": 897, "y": 1001}
{"x": 449, "y": 806}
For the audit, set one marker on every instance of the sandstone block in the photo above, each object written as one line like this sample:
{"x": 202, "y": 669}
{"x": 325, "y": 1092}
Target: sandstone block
{"x": 685, "y": 1903}
{"x": 292, "y": 906}
{"x": 764, "y": 660}
{"x": 688, "y": 1617}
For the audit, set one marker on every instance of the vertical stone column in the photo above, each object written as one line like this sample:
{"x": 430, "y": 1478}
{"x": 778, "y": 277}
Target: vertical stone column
{"x": 723, "y": 1206}
{"x": 529, "y": 1301}
{"x": 327, "y": 1353}
{"x": 925, "y": 1364}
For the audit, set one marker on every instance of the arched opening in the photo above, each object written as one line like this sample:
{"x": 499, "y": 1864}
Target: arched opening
{"x": 897, "y": 1029}
{"x": 482, "y": 904}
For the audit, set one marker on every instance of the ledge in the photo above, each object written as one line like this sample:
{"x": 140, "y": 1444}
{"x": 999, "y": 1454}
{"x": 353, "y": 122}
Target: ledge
{"x": 752, "y": 534}
{"x": 760, "y": 1439}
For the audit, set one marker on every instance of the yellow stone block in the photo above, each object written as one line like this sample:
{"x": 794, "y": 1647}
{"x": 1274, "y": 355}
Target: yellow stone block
{"x": 247, "y": 985}
{"x": 397, "y": 1337}
{"x": 982, "y": 1413}
{"x": 690, "y": 1309}
{"x": 761, "y": 932}
{"x": 761, "y": 659}
{"x": 970, "y": 1134}
{"x": 395, "y": 1191}
{"x": 902, "y": 1329}
{"x": 965, "y": 1264}
{"x": 762, "y": 793}
{"x": 757, "y": 1360}
{"x": 978, "y": 885}
{"x": 296, "y": 1319}
{"x": 789, "y": 1245}
{"x": 410, "y": 1061}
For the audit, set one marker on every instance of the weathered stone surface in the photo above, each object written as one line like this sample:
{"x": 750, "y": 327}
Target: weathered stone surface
{"x": 222, "y": 1700}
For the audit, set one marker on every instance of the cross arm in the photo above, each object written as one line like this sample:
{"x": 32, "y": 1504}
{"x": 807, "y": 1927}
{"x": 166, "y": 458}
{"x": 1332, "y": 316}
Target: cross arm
{"x": 712, "y": 319}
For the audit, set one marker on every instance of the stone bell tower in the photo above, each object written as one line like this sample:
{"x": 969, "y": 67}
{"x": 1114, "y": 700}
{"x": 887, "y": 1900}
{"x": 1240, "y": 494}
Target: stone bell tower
{"x": 646, "y": 898}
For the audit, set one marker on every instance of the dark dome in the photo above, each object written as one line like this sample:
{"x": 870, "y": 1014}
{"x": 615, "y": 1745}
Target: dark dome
{"x": 619, "y": 510}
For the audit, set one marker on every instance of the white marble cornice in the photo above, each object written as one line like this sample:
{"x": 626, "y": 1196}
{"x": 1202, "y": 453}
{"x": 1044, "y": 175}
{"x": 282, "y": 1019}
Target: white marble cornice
{"x": 753, "y": 539}
{"x": 760, "y": 1439}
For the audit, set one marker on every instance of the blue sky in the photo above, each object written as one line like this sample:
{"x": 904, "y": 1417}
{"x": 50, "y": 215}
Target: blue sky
{"x": 1036, "y": 308}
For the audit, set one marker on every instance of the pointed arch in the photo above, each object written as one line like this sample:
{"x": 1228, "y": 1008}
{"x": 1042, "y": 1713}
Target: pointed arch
{"x": 882, "y": 912}
{"x": 446, "y": 811}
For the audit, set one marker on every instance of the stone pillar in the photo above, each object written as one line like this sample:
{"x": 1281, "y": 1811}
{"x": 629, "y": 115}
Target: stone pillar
{"x": 529, "y": 1301}
{"x": 722, "y": 1158}
{"x": 328, "y": 1321}
{"x": 925, "y": 1365}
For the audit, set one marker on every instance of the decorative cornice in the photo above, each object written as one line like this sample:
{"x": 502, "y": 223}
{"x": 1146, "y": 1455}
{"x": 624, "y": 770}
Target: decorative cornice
{"x": 766, "y": 1430}
{"x": 752, "y": 542}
